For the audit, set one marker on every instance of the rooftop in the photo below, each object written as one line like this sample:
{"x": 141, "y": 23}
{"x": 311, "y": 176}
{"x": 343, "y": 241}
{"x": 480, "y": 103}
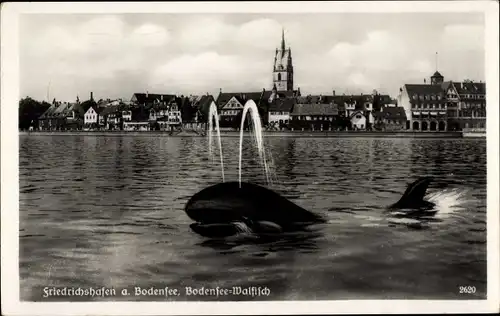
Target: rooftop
{"x": 143, "y": 98}
{"x": 469, "y": 87}
{"x": 391, "y": 113}
{"x": 282, "y": 105}
{"x": 437, "y": 74}
{"x": 242, "y": 97}
{"x": 320, "y": 109}
{"x": 423, "y": 89}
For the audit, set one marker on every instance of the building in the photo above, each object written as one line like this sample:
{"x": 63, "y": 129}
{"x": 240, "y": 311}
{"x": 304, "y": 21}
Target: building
{"x": 360, "y": 109}
{"x": 46, "y": 120}
{"x": 358, "y": 120}
{"x": 444, "y": 105}
{"x": 62, "y": 116}
{"x": 466, "y": 104}
{"x": 314, "y": 116}
{"x": 163, "y": 116}
{"x": 91, "y": 117}
{"x": 279, "y": 113}
{"x": 112, "y": 117}
{"x": 390, "y": 118}
{"x": 425, "y": 105}
{"x": 230, "y": 109}
{"x": 230, "y": 106}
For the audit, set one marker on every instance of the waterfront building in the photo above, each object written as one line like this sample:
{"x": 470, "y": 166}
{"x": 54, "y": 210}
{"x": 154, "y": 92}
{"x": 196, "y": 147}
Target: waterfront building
{"x": 62, "y": 116}
{"x": 466, "y": 104}
{"x": 230, "y": 105}
{"x": 358, "y": 120}
{"x": 314, "y": 116}
{"x": 390, "y": 118}
{"x": 230, "y": 110}
{"x": 444, "y": 105}
{"x": 91, "y": 116}
{"x": 425, "y": 105}
{"x": 112, "y": 117}
{"x": 279, "y": 113}
{"x": 164, "y": 116}
{"x": 45, "y": 121}
{"x": 360, "y": 109}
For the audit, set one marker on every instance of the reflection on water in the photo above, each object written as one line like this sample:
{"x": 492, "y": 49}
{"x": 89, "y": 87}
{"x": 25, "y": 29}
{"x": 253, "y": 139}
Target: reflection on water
{"x": 108, "y": 211}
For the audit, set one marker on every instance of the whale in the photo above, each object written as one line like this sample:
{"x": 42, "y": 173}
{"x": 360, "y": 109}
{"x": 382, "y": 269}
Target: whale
{"x": 230, "y": 208}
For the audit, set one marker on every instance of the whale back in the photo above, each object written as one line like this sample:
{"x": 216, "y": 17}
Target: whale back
{"x": 226, "y": 202}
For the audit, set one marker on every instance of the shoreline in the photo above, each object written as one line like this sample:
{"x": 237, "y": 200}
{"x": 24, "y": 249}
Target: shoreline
{"x": 297, "y": 134}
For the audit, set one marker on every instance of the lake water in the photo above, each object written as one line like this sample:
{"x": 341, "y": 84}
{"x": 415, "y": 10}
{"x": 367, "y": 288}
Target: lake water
{"x": 107, "y": 211}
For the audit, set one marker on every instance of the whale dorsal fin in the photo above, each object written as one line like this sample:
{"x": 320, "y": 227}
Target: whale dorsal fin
{"x": 415, "y": 191}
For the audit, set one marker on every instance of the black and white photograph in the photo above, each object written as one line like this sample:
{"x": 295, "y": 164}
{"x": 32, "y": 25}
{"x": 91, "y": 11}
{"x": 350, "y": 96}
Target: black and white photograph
{"x": 230, "y": 156}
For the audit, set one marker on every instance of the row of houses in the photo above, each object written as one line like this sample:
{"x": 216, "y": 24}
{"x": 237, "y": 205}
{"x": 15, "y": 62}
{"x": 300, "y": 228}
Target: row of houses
{"x": 160, "y": 114}
{"x": 437, "y": 106}
{"x": 287, "y": 110}
{"x": 278, "y": 110}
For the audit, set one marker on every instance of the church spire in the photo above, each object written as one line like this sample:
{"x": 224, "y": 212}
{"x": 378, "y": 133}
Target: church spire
{"x": 282, "y": 39}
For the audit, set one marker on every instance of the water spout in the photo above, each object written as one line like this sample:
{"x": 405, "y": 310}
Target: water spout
{"x": 212, "y": 115}
{"x": 257, "y": 129}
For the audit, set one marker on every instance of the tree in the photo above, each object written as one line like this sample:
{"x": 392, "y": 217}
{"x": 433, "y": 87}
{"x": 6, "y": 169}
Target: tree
{"x": 187, "y": 110}
{"x": 29, "y": 112}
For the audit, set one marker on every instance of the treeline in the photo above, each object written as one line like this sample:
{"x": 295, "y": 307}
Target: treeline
{"x": 29, "y": 112}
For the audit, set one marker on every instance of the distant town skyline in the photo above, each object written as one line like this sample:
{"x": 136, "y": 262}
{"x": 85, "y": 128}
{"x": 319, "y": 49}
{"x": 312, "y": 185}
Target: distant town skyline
{"x": 117, "y": 55}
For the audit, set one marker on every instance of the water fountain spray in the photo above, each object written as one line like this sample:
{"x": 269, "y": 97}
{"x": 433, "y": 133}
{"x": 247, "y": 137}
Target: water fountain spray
{"x": 257, "y": 129}
{"x": 212, "y": 114}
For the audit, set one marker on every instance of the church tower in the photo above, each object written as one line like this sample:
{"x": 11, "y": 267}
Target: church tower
{"x": 283, "y": 68}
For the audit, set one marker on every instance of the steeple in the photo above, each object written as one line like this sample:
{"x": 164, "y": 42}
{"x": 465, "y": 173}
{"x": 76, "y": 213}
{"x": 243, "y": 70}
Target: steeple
{"x": 283, "y": 66}
{"x": 282, "y": 39}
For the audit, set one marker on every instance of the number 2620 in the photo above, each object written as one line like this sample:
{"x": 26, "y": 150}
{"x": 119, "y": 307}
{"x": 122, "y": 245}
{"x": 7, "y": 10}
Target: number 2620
{"x": 467, "y": 289}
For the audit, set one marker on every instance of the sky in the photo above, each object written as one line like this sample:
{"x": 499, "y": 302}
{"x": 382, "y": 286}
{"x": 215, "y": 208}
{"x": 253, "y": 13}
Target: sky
{"x": 117, "y": 55}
